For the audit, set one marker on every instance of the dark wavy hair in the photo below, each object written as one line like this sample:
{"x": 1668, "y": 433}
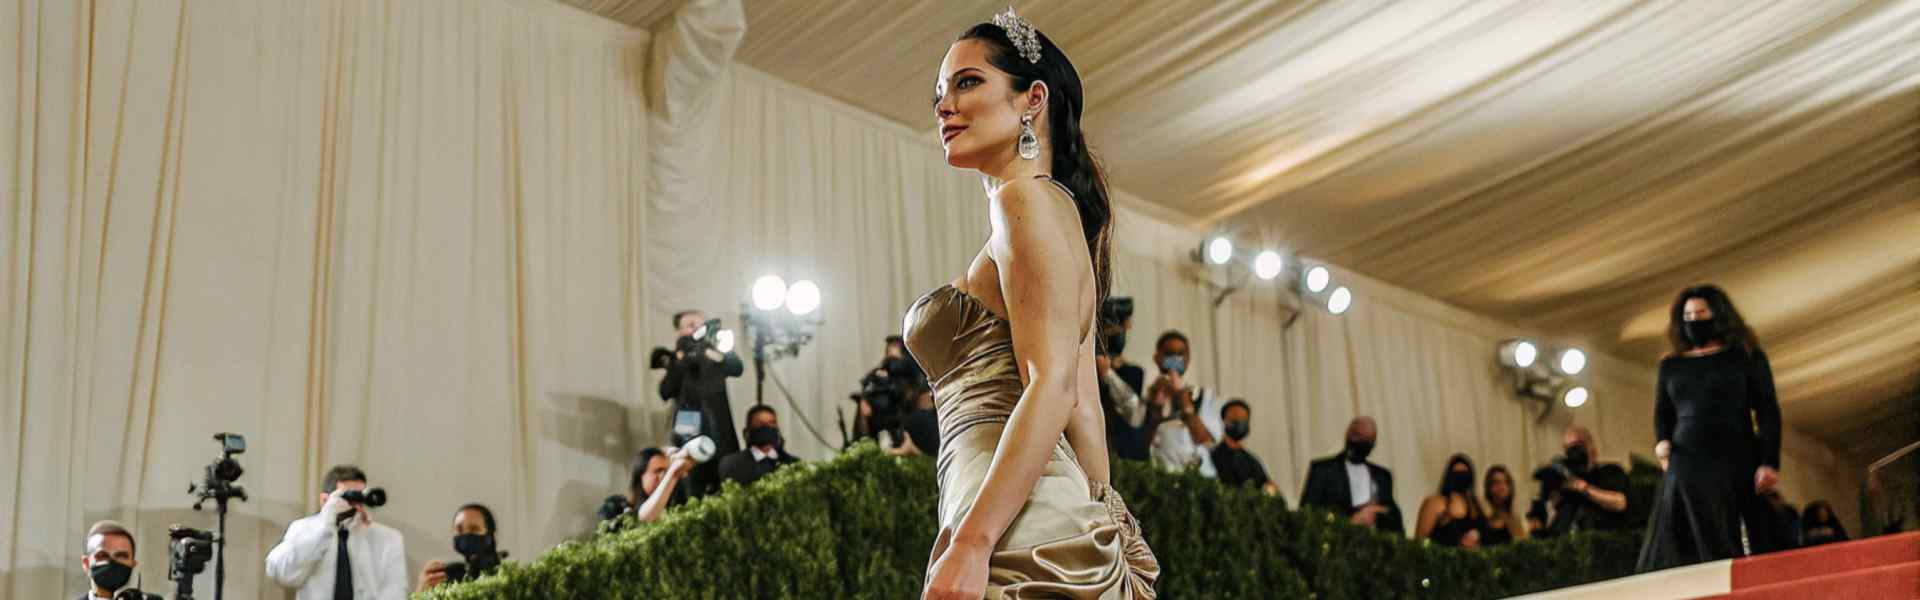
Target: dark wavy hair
{"x": 1073, "y": 162}
{"x": 1733, "y": 329}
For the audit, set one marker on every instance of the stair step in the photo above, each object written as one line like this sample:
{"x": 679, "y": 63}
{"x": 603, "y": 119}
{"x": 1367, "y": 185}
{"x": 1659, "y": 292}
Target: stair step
{"x": 1780, "y": 567}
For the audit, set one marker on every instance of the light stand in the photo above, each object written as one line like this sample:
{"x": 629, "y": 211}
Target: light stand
{"x": 219, "y": 487}
{"x": 776, "y": 334}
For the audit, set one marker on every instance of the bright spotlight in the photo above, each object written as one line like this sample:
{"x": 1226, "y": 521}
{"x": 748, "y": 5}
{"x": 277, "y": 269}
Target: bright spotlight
{"x": 1219, "y": 251}
{"x": 803, "y": 298}
{"x": 723, "y": 341}
{"x": 1575, "y": 397}
{"x": 1267, "y": 265}
{"x": 769, "y": 292}
{"x": 1340, "y": 300}
{"x": 1518, "y": 354}
{"x": 1572, "y": 361}
{"x": 1317, "y": 279}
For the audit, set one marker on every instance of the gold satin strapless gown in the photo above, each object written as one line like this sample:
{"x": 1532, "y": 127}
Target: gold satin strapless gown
{"x": 1075, "y": 537}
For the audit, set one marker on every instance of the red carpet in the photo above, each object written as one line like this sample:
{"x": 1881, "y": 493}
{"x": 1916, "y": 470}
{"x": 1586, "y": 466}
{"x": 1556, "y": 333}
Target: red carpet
{"x": 1886, "y": 567}
{"x": 1880, "y": 568}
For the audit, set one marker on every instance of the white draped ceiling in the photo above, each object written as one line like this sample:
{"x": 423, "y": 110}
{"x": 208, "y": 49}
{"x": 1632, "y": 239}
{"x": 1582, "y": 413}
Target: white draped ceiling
{"x": 1566, "y": 166}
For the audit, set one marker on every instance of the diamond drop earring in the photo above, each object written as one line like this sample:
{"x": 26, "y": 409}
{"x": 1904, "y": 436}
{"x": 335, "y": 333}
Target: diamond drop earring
{"x": 1029, "y": 143}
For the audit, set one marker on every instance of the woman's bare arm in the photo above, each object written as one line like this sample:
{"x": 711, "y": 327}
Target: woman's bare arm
{"x": 1042, "y": 261}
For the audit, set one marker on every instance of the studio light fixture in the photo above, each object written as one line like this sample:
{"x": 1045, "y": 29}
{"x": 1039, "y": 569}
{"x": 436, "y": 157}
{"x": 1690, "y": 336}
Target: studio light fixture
{"x": 1340, "y": 300}
{"x": 1268, "y": 264}
{"x": 1219, "y": 250}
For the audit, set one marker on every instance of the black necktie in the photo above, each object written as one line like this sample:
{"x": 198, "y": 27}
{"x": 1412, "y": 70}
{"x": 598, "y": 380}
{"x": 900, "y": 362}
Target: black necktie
{"x": 767, "y": 465}
{"x": 342, "y": 571}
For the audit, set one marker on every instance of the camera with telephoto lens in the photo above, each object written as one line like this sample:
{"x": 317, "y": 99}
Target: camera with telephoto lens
{"x": 474, "y": 567}
{"x": 128, "y": 593}
{"x": 885, "y": 387}
{"x": 688, "y": 346}
{"x": 1552, "y": 477}
{"x": 369, "y": 498}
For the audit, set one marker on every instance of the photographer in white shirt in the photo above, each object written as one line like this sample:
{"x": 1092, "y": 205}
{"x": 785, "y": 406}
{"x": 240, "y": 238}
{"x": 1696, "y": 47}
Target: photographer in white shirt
{"x": 309, "y": 556}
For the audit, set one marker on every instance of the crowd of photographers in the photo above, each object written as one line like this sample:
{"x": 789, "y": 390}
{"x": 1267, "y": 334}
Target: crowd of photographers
{"x": 341, "y": 553}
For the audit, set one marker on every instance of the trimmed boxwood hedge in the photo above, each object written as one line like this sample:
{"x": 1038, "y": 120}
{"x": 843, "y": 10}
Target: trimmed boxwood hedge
{"x": 860, "y": 526}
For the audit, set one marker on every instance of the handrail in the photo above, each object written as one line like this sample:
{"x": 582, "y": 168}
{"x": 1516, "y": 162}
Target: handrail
{"x": 1896, "y": 455}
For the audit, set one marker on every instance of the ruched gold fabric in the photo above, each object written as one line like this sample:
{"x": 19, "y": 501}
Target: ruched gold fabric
{"x": 1074, "y": 538}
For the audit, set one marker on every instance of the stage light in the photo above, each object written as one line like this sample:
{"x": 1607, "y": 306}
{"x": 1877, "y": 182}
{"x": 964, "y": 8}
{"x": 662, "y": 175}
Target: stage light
{"x": 1518, "y": 354}
{"x": 769, "y": 292}
{"x": 1571, "y": 362}
{"x": 1267, "y": 265}
{"x": 1318, "y": 278}
{"x": 1575, "y": 396}
{"x": 723, "y": 341}
{"x": 803, "y": 298}
{"x": 1340, "y": 300}
{"x": 1219, "y": 251}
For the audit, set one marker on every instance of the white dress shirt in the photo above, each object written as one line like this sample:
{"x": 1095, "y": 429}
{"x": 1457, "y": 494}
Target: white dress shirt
{"x": 1173, "y": 445}
{"x": 1359, "y": 482}
{"x": 306, "y": 556}
{"x": 760, "y": 456}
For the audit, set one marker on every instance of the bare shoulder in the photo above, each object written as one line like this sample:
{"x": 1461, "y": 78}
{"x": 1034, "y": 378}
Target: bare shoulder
{"x": 1033, "y": 206}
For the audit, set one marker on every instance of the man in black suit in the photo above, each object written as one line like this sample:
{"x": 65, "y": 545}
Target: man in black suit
{"x": 765, "y": 450}
{"x": 1349, "y": 485}
{"x": 109, "y": 560}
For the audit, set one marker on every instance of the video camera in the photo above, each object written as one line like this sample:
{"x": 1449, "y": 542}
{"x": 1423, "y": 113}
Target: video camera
{"x": 189, "y": 550}
{"x": 218, "y": 483}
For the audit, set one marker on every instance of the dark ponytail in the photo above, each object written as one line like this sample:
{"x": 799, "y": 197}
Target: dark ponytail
{"x": 1073, "y": 161}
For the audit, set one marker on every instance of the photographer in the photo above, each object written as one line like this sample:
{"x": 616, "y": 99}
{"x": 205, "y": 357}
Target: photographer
{"x": 109, "y": 560}
{"x": 1583, "y": 495}
{"x": 885, "y": 393}
{"x": 474, "y": 539}
{"x": 1183, "y": 417}
{"x": 340, "y": 553}
{"x": 696, "y": 380}
{"x": 1120, "y": 383}
{"x": 923, "y": 426}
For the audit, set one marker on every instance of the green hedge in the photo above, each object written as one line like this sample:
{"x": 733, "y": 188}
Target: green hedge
{"x": 860, "y": 526}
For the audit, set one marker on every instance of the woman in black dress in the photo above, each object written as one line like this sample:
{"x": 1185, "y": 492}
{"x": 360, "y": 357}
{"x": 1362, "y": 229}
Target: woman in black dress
{"x": 1453, "y": 517}
{"x": 1718, "y": 425}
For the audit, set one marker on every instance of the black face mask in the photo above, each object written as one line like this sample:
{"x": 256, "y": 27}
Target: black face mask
{"x": 1458, "y": 481}
{"x": 1577, "y": 458}
{"x": 1699, "y": 333}
{"x": 110, "y": 575}
{"x": 764, "y": 435}
{"x": 472, "y": 544}
{"x": 1357, "y": 450}
{"x": 1237, "y": 430}
{"x": 1116, "y": 342}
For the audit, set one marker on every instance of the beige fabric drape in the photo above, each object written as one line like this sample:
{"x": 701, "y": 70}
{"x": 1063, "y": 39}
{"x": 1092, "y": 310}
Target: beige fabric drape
{"x": 398, "y": 234}
{"x": 416, "y": 236}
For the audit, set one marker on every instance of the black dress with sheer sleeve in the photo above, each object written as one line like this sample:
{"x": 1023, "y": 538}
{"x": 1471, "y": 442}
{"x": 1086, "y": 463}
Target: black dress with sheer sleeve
{"x": 1723, "y": 419}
